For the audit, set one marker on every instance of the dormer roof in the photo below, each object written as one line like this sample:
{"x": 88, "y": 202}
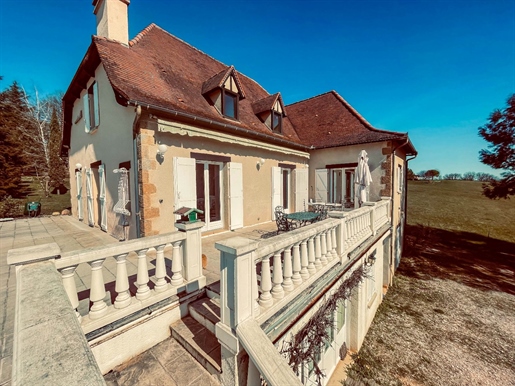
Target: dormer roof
{"x": 218, "y": 80}
{"x": 268, "y": 103}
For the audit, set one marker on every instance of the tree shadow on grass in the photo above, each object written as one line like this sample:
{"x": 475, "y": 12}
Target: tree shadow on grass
{"x": 468, "y": 258}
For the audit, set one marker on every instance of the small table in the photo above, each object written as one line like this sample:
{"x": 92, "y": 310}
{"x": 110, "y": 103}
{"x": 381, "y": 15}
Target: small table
{"x": 302, "y": 217}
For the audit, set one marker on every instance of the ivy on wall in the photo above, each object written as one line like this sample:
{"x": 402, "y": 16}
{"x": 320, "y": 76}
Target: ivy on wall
{"x": 305, "y": 347}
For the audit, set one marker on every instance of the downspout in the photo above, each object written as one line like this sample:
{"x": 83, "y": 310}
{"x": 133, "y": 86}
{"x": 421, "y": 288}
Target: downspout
{"x": 136, "y": 163}
{"x": 406, "y": 191}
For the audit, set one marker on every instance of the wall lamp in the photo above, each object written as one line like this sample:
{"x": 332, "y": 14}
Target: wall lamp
{"x": 261, "y": 162}
{"x": 161, "y": 150}
{"x": 78, "y": 167}
{"x": 370, "y": 260}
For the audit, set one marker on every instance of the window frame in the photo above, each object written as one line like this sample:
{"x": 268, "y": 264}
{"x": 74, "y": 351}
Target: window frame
{"x": 280, "y": 122}
{"x": 224, "y": 109}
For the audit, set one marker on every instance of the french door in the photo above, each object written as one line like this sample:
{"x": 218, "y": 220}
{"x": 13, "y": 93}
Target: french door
{"x": 209, "y": 188}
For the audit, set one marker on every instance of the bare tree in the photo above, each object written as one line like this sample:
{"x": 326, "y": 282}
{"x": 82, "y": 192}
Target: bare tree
{"x": 469, "y": 176}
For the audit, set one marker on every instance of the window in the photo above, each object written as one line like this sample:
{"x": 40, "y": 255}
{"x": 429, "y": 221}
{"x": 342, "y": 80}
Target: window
{"x": 400, "y": 178}
{"x": 230, "y": 104}
{"x": 285, "y": 188}
{"x": 276, "y": 122}
{"x": 340, "y": 316}
{"x": 91, "y": 108}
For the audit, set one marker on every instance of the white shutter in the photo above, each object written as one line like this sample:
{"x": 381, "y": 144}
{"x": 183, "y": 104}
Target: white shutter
{"x": 78, "y": 180}
{"x": 321, "y": 185}
{"x": 96, "y": 111}
{"x": 85, "y": 102}
{"x": 89, "y": 198}
{"x": 102, "y": 197}
{"x": 301, "y": 189}
{"x": 236, "y": 194}
{"x": 184, "y": 183}
{"x": 276, "y": 189}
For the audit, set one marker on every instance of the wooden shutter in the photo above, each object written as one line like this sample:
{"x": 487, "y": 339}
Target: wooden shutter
{"x": 96, "y": 111}
{"x": 184, "y": 183}
{"x": 276, "y": 189}
{"x": 321, "y": 185}
{"x": 89, "y": 198}
{"x": 85, "y": 103}
{"x": 236, "y": 194}
{"x": 301, "y": 189}
{"x": 78, "y": 181}
{"x": 102, "y": 197}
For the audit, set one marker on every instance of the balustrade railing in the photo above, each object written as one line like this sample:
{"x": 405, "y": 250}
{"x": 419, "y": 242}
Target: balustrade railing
{"x": 185, "y": 272}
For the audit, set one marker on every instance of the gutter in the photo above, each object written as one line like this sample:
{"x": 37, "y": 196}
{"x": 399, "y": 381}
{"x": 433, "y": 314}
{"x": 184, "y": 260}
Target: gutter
{"x": 219, "y": 125}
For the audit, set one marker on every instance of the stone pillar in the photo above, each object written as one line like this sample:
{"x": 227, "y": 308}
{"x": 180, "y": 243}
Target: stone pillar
{"x": 192, "y": 255}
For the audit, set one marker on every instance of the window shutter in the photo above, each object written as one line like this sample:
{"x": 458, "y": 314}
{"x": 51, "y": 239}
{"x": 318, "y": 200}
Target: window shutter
{"x": 89, "y": 198}
{"x": 301, "y": 189}
{"x": 236, "y": 194}
{"x": 85, "y": 103}
{"x": 184, "y": 182}
{"x": 276, "y": 189}
{"x": 78, "y": 180}
{"x": 96, "y": 111}
{"x": 321, "y": 185}
{"x": 102, "y": 197}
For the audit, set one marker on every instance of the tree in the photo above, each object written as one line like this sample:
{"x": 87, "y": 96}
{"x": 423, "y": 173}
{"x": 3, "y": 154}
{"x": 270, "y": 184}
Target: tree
{"x": 13, "y": 118}
{"x": 411, "y": 175}
{"x": 485, "y": 177}
{"x": 57, "y": 172}
{"x": 452, "y": 176}
{"x": 469, "y": 176}
{"x": 432, "y": 173}
{"x": 500, "y": 132}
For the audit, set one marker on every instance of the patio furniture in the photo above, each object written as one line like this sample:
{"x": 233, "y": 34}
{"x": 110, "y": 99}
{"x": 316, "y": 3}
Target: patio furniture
{"x": 284, "y": 224}
{"x": 302, "y": 218}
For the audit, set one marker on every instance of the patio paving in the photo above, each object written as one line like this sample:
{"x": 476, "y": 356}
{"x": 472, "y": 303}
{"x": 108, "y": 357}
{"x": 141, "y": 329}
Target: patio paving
{"x": 71, "y": 234}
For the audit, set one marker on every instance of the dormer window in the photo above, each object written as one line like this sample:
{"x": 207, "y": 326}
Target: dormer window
{"x": 277, "y": 120}
{"x": 223, "y": 91}
{"x": 229, "y": 104}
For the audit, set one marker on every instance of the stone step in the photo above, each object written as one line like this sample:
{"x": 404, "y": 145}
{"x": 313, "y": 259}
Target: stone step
{"x": 206, "y": 311}
{"x": 200, "y": 343}
{"x": 213, "y": 290}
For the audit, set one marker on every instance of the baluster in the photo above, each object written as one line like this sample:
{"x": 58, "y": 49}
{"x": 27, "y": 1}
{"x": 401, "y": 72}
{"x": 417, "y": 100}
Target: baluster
{"x": 287, "y": 282}
{"x": 334, "y": 243}
{"x": 98, "y": 291}
{"x": 123, "y": 299}
{"x": 311, "y": 256}
{"x": 68, "y": 276}
{"x": 277, "y": 278}
{"x": 329, "y": 255}
{"x": 265, "y": 299}
{"x": 296, "y": 278}
{"x": 143, "y": 291}
{"x": 255, "y": 292}
{"x": 177, "y": 278}
{"x": 323, "y": 245}
{"x": 318, "y": 252}
{"x": 161, "y": 284}
{"x": 304, "y": 273}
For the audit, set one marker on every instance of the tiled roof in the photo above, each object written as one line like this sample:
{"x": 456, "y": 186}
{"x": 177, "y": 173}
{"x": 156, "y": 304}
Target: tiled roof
{"x": 219, "y": 79}
{"x": 267, "y": 103}
{"x": 160, "y": 70}
{"x": 327, "y": 120}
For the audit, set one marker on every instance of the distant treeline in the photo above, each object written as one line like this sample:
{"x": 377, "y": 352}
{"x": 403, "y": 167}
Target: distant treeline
{"x": 433, "y": 174}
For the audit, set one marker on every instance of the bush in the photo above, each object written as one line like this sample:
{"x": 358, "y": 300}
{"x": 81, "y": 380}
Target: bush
{"x": 10, "y": 207}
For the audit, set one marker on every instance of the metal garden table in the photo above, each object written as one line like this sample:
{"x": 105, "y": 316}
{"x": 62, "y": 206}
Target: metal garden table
{"x": 302, "y": 217}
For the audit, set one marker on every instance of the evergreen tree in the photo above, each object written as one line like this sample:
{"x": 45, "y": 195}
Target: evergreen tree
{"x": 13, "y": 116}
{"x": 57, "y": 172}
{"x": 500, "y": 132}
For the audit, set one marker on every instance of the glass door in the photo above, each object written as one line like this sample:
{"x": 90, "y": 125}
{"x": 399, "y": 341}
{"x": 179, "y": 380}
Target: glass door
{"x": 209, "y": 193}
{"x": 349, "y": 188}
{"x": 336, "y": 186}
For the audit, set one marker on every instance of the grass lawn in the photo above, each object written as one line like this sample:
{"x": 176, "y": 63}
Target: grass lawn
{"x": 449, "y": 318}
{"x": 31, "y": 190}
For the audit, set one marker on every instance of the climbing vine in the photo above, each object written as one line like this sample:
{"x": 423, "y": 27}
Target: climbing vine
{"x": 306, "y": 346}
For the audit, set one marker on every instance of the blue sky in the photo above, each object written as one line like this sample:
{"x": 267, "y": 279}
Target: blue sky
{"x": 434, "y": 69}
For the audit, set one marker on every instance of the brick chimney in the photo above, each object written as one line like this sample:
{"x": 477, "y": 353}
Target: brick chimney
{"x": 112, "y": 19}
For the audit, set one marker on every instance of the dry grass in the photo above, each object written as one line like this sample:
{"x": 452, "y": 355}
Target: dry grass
{"x": 449, "y": 318}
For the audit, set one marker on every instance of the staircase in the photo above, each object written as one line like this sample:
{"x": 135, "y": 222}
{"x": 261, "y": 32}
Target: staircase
{"x": 196, "y": 332}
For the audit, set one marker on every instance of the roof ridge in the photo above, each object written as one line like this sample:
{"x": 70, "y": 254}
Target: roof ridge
{"x": 313, "y": 97}
{"x": 142, "y": 34}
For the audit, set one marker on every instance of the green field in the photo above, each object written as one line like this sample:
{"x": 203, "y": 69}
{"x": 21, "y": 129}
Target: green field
{"x": 448, "y": 318}
{"x": 30, "y": 189}
{"x": 460, "y": 206}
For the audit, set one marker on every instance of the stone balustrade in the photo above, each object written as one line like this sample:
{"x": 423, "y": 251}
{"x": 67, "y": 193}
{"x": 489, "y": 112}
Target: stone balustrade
{"x": 259, "y": 278}
{"x": 186, "y": 274}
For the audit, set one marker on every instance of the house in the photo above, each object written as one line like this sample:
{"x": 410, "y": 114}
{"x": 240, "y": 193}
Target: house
{"x": 152, "y": 125}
